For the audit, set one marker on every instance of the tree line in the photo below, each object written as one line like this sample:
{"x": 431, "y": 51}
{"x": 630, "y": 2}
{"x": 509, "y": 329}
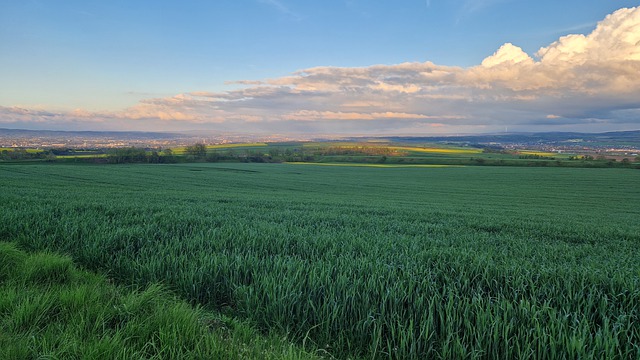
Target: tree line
{"x": 22, "y": 154}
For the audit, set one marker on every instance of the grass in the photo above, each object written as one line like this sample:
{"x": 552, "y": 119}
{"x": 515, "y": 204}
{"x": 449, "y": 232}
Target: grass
{"x": 438, "y": 150}
{"x": 361, "y": 262}
{"x": 427, "y": 149}
{"x": 373, "y": 165}
{"x": 539, "y": 153}
{"x": 82, "y": 156}
{"x": 31, "y": 151}
{"x": 50, "y": 309}
{"x": 239, "y": 145}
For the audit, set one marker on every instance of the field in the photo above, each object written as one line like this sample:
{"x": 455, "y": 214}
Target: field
{"x": 239, "y": 146}
{"x": 360, "y": 262}
{"x": 49, "y": 309}
{"x": 31, "y": 151}
{"x": 331, "y": 152}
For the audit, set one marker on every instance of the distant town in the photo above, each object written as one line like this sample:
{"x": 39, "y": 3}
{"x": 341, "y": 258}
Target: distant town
{"x": 612, "y": 144}
{"x": 15, "y": 138}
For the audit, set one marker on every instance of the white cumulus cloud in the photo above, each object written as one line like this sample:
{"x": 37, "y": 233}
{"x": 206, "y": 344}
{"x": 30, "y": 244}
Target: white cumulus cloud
{"x": 507, "y": 55}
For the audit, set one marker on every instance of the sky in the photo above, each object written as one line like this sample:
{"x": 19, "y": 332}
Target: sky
{"x": 349, "y": 67}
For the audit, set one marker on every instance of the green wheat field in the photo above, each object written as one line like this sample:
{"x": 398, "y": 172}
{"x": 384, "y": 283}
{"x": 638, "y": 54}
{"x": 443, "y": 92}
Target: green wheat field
{"x": 346, "y": 262}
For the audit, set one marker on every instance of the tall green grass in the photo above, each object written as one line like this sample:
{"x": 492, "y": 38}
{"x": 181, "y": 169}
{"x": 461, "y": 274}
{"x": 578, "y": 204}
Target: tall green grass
{"x": 49, "y": 309}
{"x": 440, "y": 263}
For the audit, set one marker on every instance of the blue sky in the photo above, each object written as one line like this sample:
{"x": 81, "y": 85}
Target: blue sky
{"x": 175, "y": 65}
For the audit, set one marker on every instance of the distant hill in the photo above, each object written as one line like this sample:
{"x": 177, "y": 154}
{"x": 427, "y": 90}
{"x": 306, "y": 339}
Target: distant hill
{"x": 137, "y": 138}
{"x": 124, "y": 135}
{"x": 629, "y": 138}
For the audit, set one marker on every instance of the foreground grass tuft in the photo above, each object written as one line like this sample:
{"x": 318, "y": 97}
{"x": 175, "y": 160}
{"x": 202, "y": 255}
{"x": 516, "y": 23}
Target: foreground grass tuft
{"x": 49, "y": 309}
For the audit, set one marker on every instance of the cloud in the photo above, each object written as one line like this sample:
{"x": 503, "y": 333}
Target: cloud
{"x": 283, "y": 9}
{"x": 471, "y": 6}
{"x": 579, "y": 82}
{"x": 508, "y": 54}
{"x": 19, "y": 117}
{"x": 311, "y": 115}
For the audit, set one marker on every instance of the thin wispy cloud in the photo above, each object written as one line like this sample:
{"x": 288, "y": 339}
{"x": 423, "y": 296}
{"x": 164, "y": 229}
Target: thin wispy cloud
{"x": 573, "y": 28}
{"x": 282, "y": 8}
{"x": 471, "y": 7}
